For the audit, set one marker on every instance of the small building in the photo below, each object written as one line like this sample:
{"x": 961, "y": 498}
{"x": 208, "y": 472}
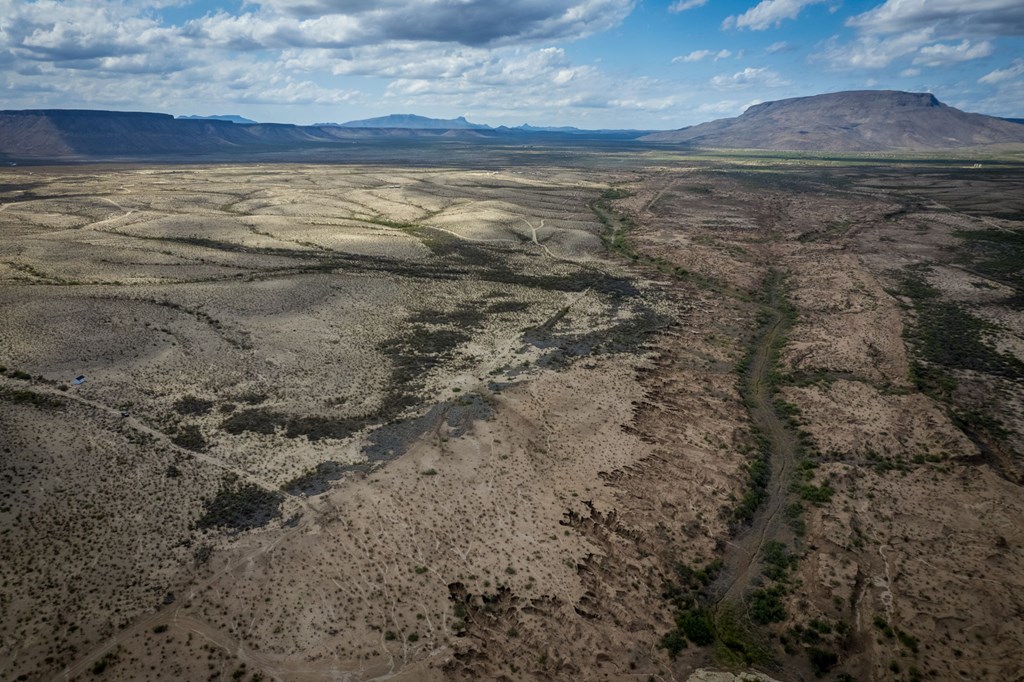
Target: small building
{"x": 79, "y": 380}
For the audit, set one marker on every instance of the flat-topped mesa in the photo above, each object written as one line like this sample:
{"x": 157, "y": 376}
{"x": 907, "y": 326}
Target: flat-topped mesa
{"x": 850, "y": 99}
{"x": 859, "y": 120}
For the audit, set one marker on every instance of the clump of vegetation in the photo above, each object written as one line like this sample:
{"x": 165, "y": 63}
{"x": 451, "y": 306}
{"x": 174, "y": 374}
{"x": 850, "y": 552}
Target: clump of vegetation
{"x": 697, "y": 625}
{"x": 907, "y": 640}
{"x": 190, "y": 406}
{"x": 737, "y": 640}
{"x": 819, "y": 641}
{"x": 693, "y": 621}
{"x": 998, "y": 254}
{"x": 947, "y": 337}
{"x": 815, "y": 494}
{"x": 316, "y": 480}
{"x": 615, "y": 193}
{"x": 508, "y": 307}
{"x": 21, "y": 396}
{"x": 190, "y": 438}
{"x": 758, "y": 476}
{"x": 766, "y": 605}
{"x": 777, "y": 560}
{"x": 822, "y": 660}
{"x": 203, "y": 553}
{"x": 260, "y": 421}
{"x": 101, "y": 664}
{"x": 240, "y": 506}
{"x": 316, "y": 428}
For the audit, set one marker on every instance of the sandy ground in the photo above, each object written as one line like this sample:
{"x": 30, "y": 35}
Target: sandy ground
{"x": 464, "y": 441}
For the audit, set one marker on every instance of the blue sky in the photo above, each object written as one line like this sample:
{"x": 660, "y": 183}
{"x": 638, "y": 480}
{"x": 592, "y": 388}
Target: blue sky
{"x": 589, "y": 63}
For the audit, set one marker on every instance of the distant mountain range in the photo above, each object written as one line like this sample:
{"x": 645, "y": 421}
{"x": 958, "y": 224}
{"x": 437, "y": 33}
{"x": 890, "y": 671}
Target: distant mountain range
{"x": 79, "y": 134}
{"x": 865, "y": 120}
{"x": 411, "y": 122}
{"x": 414, "y": 122}
{"x": 233, "y": 118}
{"x": 844, "y": 121}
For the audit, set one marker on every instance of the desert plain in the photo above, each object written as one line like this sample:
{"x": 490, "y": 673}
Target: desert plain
{"x": 597, "y": 418}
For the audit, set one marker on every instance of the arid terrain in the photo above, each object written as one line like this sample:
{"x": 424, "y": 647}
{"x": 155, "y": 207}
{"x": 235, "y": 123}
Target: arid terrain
{"x": 603, "y": 416}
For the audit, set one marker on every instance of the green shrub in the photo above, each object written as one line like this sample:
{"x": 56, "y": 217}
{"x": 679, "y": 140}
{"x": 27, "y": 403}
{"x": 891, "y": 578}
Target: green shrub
{"x": 673, "y": 642}
{"x": 907, "y": 640}
{"x": 822, "y": 660}
{"x": 766, "y": 605}
{"x": 696, "y": 624}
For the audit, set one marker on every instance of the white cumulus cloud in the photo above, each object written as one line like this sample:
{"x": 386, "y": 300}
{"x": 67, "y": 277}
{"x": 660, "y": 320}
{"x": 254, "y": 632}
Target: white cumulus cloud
{"x": 768, "y": 13}
{"x": 976, "y": 17}
{"x": 1015, "y": 70}
{"x": 874, "y": 52}
{"x": 700, "y": 55}
{"x": 683, "y": 5}
{"x": 941, "y": 54}
{"x": 762, "y": 77}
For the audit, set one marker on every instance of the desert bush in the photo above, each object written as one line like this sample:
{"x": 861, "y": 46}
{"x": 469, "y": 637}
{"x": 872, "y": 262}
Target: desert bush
{"x": 822, "y": 660}
{"x": 190, "y": 438}
{"x": 766, "y": 605}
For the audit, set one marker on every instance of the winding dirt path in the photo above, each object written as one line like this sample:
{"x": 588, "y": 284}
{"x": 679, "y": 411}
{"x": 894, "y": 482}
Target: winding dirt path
{"x": 742, "y": 564}
{"x": 160, "y": 436}
{"x": 170, "y": 615}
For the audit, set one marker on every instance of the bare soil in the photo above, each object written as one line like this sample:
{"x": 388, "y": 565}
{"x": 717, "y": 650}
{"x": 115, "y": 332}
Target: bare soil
{"x": 361, "y": 422}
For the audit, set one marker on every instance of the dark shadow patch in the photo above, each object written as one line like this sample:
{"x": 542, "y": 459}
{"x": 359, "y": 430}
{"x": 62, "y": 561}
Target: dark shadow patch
{"x": 628, "y": 336}
{"x": 508, "y": 307}
{"x": 240, "y": 506}
{"x": 317, "y": 428}
{"x": 262, "y": 421}
{"x": 466, "y": 410}
{"x": 318, "y": 480}
{"x": 25, "y": 397}
{"x": 394, "y": 440}
{"x": 190, "y": 406}
{"x": 190, "y": 438}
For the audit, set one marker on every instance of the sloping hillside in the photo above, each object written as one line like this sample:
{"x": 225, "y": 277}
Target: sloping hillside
{"x": 867, "y": 120}
{"x": 57, "y": 133}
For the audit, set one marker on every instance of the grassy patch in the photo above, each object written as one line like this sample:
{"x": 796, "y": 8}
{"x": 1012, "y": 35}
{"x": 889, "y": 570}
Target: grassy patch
{"x": 737, "y": 640}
